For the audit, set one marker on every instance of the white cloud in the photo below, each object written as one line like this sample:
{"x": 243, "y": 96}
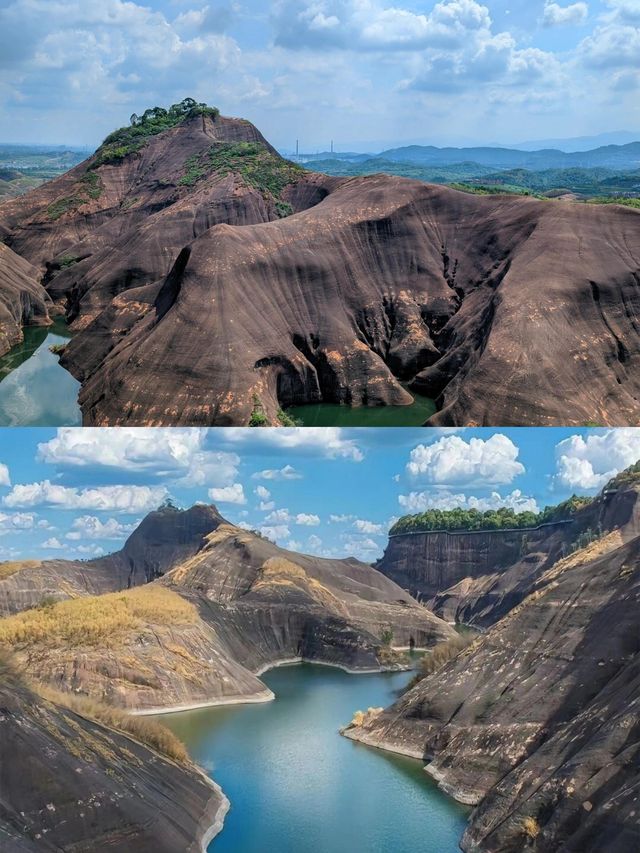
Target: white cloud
{"x": 555, "y": 15}
{"x": 5, "y": 479}
{"x": 363, "y": 549}
{"x": 125, "y": 499}
{"x": 177, "y": 454}
{"x": 329, "y": 442}
{"x": 286, "y": 473}
{"x": 278, "y": 516}
{"x": 9, "y": 523}
{"x": 233, "y": 494}
{"x": 339, "y": 519}
{"x": 370, "y": 527}
{"x": 452, "y": 460}
{"x": 262, "y": 492}
{"x": 275, "y": 532}
{"x": 53, "y": 543}
{"x": 265, "y": 506}
{"x": 588, "y": 463}
{"x": 294, "y": 545}
{"x": 307, "y": 520}
{"x": 314, "y": 542}
{"x": 90, "y": 527}
{"x": 422, "y": 501}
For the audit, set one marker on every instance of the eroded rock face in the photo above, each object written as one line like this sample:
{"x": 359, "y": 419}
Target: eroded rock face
{"x": 72, "y": 784}
{"x": 23, "y": 300}
{"x": 477, "y": 577}
{"x": 196, "y": 301}
{"x": 539, "y": 718}
{"x": 250, "y": 605}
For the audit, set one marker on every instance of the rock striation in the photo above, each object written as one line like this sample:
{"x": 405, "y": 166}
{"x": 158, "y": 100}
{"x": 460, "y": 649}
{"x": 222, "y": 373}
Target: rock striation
{"x": 71, "y": 783}
{"x": 477, "y": 577}
{"x": 538, "y": 721}
{"x": 192, "y": 609}
{"x": 23, "y": 300}
{"x": 206, "y": 277}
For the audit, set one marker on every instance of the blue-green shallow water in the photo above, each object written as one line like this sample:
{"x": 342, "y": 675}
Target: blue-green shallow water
{"x": 297, "y": 786}
{"x": 34, "y": 389}
{"x": 332, "y": 414}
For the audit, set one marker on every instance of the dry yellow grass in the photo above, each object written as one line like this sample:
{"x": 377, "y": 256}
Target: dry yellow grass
{"x": 531, "y": 827}
{"x": 97, "y": 620}
{"x": 11, "y": 567}
{"x": 146, "y": 731}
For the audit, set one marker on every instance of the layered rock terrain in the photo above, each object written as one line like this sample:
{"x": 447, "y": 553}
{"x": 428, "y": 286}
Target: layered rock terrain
{"x": 479, "y": 576}
{"x": 71, "y": 783}
{"x": 193, "y": 607}
{"x": 538, "y": 721}
{"x": 23, "y": 300}
{"x": 208, "y": 277}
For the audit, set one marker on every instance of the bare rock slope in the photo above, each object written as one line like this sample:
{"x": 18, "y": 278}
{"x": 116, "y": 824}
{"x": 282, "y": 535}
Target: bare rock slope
{"x": 214, "y": 606}
{"x": 209, "y": 276}
{"x": 71, "y": 783}
{"x": 538, "y": 721}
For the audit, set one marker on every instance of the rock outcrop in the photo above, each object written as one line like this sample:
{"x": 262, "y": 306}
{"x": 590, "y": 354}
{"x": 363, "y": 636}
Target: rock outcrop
{"x": 23, "y": 300}
{"x": 71, "y": 783}
{"x": 477, "y": 577}
{"x": 193, "y": 608}
{"x": 538, "y": 721}
{"x": 208, "y": 277}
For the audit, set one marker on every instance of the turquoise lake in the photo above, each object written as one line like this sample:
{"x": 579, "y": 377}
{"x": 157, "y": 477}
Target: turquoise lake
{"x": 297, "y": 786}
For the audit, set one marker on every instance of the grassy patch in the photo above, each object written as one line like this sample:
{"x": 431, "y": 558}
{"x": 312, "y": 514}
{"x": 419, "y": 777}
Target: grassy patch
{"x": 257, "y": 167}
{"x": 67, "y": 261}
{"x": 195, "y": 171}
{"x": 11, "y": 567}
{"x": 129, "y": 140}
{"x": 146, "y": 731}
{"x": 441, "y": 654}
{"x": 64, "y": 205}
{"x": 96, "y": 620}
{"x": 608, "y": 199}
{"x": 57, "y": 349}
{"x": 258, "y": 417}
{"x": 286, "y": 420}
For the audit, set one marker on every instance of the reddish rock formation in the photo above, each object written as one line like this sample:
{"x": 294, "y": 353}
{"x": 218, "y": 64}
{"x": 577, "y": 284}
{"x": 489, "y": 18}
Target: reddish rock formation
{"x": 198, "y": 302}
{"x": 23, "y": 300}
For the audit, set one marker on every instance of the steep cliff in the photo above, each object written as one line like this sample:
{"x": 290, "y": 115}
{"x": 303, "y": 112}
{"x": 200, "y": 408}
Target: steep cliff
{"x": 477, "y": 577}
{"x": 208, "y": 276}
{"x": 71, "y": 783}
{"x": 23, "y": 300}
{"x": 225, "y": 604}
{"x": 538, "y": 721}
{"x": 163, "y": 539}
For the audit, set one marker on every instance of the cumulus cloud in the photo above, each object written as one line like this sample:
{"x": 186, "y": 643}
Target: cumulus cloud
{"x": 422, "y": 501}
{"x": 452, "y": 460}
{"x": 5, "y": 479}
{"x": 314, "y": 542}
{"x": 275, "y": 532}
{"x": 53, "y": 543}
{"x": 329, "y": 442}
{"x": 338, "y": 519}
{"x": 307, "y": 519}
{"x": 177, "y": 454}
{"x": 262, "y": 492}
{"x": 364, "y": 526}
{"x": 589, "y": 463}
{"x": 286, "y": 473}
{"x": 91, "y": 527}
{"x": 555, "y": 15}
{"x": 124, "y": 499}
{"x": 278, "y": 516}
{"x": 233, "y": 494}
{"x": 12, "y": 522}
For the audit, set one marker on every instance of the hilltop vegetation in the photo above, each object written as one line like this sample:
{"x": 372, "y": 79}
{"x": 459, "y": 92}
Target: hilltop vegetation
{"x": 493, "y": 519}
{"x": 127, "y": 140}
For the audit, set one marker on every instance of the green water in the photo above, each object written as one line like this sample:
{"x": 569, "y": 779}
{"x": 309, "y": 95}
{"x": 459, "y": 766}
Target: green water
{"x": 297, "y": 786}
{"x": 34, "y": 389}
{"x": 332, "y": 414}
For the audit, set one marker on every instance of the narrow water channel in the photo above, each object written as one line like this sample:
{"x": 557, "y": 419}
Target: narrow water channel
{"x": 332, "y": 414}
{"x": 34, "y": 389}
{"x": 297, "y": 786}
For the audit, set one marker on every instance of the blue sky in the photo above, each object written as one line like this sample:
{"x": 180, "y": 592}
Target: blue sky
{"x": 77, "y": 493}
{"x": 363, "y": 72}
